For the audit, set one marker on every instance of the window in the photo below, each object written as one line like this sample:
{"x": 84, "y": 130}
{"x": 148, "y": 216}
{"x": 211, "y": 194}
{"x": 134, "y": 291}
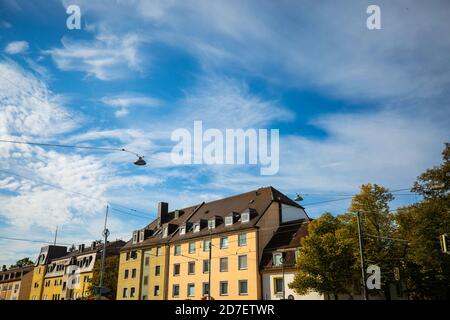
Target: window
{"x": 228, "y": 220}
{"x": 245, "y": 217}
{"x": 126, "y": 274}
{"x": 176, "y": 269}
{"x": 182, "y": 230}
{"x": 132, "y": 290}
{"x": 127, "y": 256}
{"x": 190, "y": 289}
{"x": 133, "y": 273}
{"x": 175, "y": 290}
{"x": 157, "y": 270}
{"x": 145, "y": 280}
{"x": 242, "y": 239}
{"x": 135, "y": 237}
{"x": 141, "y": 235}
{"x": 156, "y": 291}
{"x": 223, "y": 264}
{"x": 205, "y": 289}
{"x": 197, "y": 227}
{"x": 206, "y": 244}
{"x": 191, "y": 267}
{"x": 242, "y": 262}
{"x": 165, "y": 231}
{"x": 205, "y": 266}
{"x": 125, "y": 292}
{"x": 223, "y": 242}
{"x": 277, "y": 259}
{"x": 211, "y": 223}
{"x": 223, "y": 288}
{"x": 158, "y": 251}
{"x": 177, "y": 250}
{"x": 278, "y": 285}
{"x": 192, "y": 247}
{"x": 147, "y": 261}
{"x": 35, "y": 285}
{"x": 243, "y": 287}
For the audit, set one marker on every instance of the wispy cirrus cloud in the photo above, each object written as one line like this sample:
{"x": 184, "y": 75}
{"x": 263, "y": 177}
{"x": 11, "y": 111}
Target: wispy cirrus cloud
{"x": 107, "y": 57}
{"x": 16, "y": 47}
{"x": 124, "y": 102}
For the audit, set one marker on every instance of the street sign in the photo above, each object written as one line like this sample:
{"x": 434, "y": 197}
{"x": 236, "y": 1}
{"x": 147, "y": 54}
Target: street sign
{"x": 101, "y": 290}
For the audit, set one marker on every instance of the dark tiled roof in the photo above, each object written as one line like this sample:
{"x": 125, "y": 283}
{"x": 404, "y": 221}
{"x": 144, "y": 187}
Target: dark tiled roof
{"x": 287, "y": 239}
{"x": 112, "y": 247}
{"x": 257, "y": 201}
{"x": 18, "y": 272}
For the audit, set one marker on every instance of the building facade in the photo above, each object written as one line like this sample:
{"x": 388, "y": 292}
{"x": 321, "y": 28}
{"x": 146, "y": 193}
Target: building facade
{"x": 15, "y": 283}
{"x": 65, "y": 274}
{"x": 210, "y": 250}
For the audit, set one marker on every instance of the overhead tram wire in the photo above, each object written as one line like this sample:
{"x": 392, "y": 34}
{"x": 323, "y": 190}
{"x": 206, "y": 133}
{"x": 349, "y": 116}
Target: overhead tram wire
{"x": 346, "y": 198}
{"x": 83, "y": 195}
{"x": 34, "y": 240}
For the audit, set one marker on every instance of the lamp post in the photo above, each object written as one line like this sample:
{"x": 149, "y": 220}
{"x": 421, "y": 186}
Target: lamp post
{"x": 361, "y": 255}
{"x": 102, "y": 268}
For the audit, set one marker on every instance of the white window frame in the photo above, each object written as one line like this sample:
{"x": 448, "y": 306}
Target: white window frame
{"x": 211, "y": 223}
{"x": 228, "y": 221}
{"x": 182, "y": 230}
{"x": 197, "y": 227}
{"x": 245, "y": 217}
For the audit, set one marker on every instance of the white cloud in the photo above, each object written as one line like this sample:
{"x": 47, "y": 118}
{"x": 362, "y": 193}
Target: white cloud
{"x": 107, "y": 57}
{"x": 125, "y": 101}
{"x": 16, "y": 47}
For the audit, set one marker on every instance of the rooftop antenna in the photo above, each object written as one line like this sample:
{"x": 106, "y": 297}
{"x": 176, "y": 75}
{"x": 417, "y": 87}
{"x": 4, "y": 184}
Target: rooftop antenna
{"x": 56, "y": 234}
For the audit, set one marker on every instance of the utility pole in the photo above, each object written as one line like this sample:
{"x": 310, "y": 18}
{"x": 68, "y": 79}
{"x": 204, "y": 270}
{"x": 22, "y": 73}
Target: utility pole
{"x": 209, "y": 269}
{"x": 361, "y": 254}
{"x": 102, "y": 269}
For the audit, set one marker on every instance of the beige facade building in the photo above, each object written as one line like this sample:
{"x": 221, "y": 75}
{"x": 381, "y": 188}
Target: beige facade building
{"x": 15, "y": 283}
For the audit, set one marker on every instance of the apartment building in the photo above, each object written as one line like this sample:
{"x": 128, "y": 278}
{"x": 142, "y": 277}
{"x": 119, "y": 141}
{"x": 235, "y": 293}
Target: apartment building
{"x": 278, "y": 262}
{"x": 15, "y": 283}
{"x": 65, "y": 274}
{"x": 210, "y": 249}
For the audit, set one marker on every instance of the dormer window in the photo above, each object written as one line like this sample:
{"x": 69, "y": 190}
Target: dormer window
{"x": 229, "y": 220}
{"x": 165, "y": 231}
{"x": 211, "y": 223}
{"x": 135, "y": 237}
{"x": 197, "y": 227}
{"x": 141, "y": 235}
{"x": 182, "y": 230}
{"x": 245, "y": 217}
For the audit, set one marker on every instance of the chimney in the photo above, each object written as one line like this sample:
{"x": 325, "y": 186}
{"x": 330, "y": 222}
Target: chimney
{"x": 81, "y": 247}
{"x": 163, "y": 212}
{"x": 93, "y": 245}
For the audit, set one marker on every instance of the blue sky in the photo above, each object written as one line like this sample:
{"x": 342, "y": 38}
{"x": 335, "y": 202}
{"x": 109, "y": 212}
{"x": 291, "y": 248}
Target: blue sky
{"x": 352, "y": 105}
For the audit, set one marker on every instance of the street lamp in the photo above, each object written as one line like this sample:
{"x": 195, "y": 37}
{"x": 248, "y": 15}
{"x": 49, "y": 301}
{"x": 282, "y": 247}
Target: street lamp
{"x": 298, "y": 197}
{"x": 139, "y": 162}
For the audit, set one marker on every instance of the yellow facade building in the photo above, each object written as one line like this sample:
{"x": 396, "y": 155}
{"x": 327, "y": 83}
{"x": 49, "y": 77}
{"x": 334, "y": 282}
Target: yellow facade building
{"x": 65, "y": 274}
{"x": 210, "y": 250}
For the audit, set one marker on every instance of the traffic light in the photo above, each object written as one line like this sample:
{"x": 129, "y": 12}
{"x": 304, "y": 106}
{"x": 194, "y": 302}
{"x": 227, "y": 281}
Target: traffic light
{"x": 445, "y": 243}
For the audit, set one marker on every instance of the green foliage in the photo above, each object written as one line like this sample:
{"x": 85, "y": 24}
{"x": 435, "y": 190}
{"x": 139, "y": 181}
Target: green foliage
{"x": 379, "y": 230}
{"x": 22, "y": 263}
{"x": 109, "y": 279}
{"x": 427, "y": 268}
{"x": 326, "y": 261}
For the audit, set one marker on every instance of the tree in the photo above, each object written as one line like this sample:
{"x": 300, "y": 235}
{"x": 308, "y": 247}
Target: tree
{"x": 378, "y": 229}
{"x": 22, "y": 263}
{"x": 434, "y": 184}
{"x": 428, "y": 269}
{"x": 326, "y": 262}
{"x": 110, "y": 277}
